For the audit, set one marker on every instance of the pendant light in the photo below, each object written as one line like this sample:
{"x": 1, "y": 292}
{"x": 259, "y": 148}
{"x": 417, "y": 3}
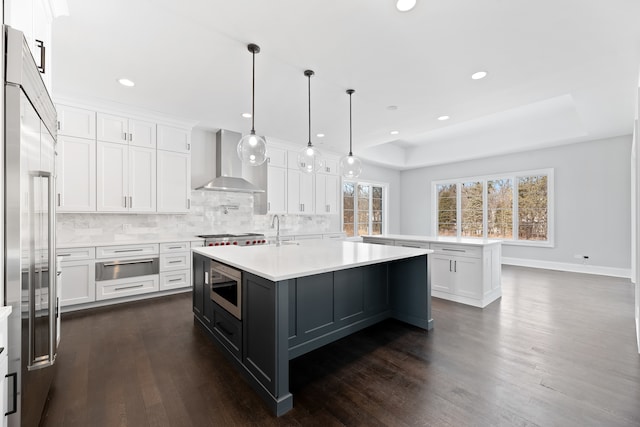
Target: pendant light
{"x": 252, "y": 148}
{"x": 350, "y": 166}
{"x": 308, "y": 158}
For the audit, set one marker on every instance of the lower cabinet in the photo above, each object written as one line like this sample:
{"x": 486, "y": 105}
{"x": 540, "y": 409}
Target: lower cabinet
{"x": 118, "y": 288}
{"x": 228, "y": 329}
{"x": 78, "y": 281}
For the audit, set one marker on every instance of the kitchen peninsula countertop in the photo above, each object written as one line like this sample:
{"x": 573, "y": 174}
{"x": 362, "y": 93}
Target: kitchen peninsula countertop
{"x": 436, "y": 239}
{"x": 305, "y": 258}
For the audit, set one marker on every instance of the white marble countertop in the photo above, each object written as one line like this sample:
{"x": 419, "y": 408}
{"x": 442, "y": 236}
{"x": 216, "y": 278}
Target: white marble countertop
{"x": 101, "y": 241}
{"x": 431, "y": 239}
{"x": 305, "y": 258}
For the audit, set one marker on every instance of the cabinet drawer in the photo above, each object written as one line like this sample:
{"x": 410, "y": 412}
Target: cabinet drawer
{"x": 175, "y": 280}
{"x": 76, "y": 254}
{"x": 126, "y": 287}
{"x": 411, "y": 244}
{"x": 228, "y": 329}
{"x": 174, "y": 247}
{"x": 198, "y": 244}
{"x": 457, "y": 250}
{"x": 126, "y": 250}
{"x": 308, "y": 236}
{"x": 177, "y": 261}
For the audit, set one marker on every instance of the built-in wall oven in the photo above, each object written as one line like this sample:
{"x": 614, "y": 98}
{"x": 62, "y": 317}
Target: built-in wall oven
{"x": 226, "y": 288}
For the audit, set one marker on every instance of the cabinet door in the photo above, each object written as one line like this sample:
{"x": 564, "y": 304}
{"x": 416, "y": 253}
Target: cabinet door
{"x": 76, "y": 174}
{"x": 112, "y": 177}
{"x": 42, "y": 34}
{"x": 142, "y": 179}
{"x": 78, "y": 282}
{"x": 306, "y": 192}
{"x": 294, "y": 204}
{"x": 276, "y": 190}
{"x": 468, "y": 277}
{"x": 442, "y": 273}
{"x": 142, "y": 134}
{"x": 332, "y": 193}
{"x": 277, "y": 157}
{"x": 174, "y": 139}
{"x": 77, "y": 122}
{"x": 174, "y": 182}
{"x": 321, "y": 196}
{"x": 113, "y": 128}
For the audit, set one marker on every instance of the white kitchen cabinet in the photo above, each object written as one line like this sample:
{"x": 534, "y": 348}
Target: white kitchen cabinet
{"x": 142, "y": 179}
{"x": 119, "y": 288}
{"x": 76, "y": 174}
{"x": 34, "y": 18}
{"x": 78, "y": 276}
{"x": 276, "y": 190}
{"x": 173, "y": 182}
{"x": 299, "y": 192}
{"x": 328, "y": 165}
{"x": 123, "y": 130}
{"x": 78, "y": 280}
{"x": 126, "y": 178}
{"x": 112, "y": 177}
{"x": 78, "y": 122}
{"x": 276, "y": 156}
{"x": 327, "y": 194}
{"x": 171, "y": 138}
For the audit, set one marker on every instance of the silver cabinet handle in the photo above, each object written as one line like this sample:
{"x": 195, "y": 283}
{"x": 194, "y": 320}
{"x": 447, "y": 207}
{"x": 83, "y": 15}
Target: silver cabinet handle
{"x": 455, "y": 266}
{"x": 174, "y": 262}
{"x": 58, "y": 124}
{"x": 41, "y": 67}
{"x": 453, "y": 250}
{"x": 175, "y": 247}
{"x": 130, "y": 201}
{"x": 268, "y": 206}
{"x": 188, "y": 203}
{"x": 175, "y": 280}
{"x": 128, "y": 250}
{"x": 129, "y": 287}
{"x": 115, "y": 264}
{"x": 449, "y": 265}
{"x": 59, "y": 200}
{"x": 130, "y": 137}
{"x": 125, "y": 201}
{"x": 124, "y": 136}
{"x": 64, "y": 254}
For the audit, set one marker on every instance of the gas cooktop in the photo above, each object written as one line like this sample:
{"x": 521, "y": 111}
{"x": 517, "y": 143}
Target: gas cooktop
{"x": 244, "y": 239}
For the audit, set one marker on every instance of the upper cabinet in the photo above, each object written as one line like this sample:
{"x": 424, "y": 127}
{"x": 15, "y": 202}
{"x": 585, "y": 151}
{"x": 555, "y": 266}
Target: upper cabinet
{"x": 276, "y": 157}
{"x": 171, "y": 138}
{"x": 34, "y": 18}
{"x": 78, "y": 122}
{"x": 122, "y": 130}
{"x": 328, "y": 165}
{"x": 111, "y": 162}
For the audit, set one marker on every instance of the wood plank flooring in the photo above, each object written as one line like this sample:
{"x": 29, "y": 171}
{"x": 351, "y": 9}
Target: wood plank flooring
{"x": 557, "y": 350}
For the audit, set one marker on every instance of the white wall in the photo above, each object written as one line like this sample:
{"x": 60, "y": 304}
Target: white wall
{"x": 592, "y": 202}
{"x": 203, "y": 156}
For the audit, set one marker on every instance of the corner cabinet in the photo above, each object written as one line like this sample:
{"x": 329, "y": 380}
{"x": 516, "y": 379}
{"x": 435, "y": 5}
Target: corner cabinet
{"x": 299, "y": 192}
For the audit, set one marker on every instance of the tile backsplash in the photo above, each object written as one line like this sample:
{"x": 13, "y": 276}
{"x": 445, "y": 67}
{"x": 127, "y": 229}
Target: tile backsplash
{"x": 212, "y": 212}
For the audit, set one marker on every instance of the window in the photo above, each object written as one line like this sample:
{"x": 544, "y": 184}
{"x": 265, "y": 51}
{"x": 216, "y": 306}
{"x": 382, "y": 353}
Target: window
{"x": 364, "y": 209}
{"x": 514, "y": 207}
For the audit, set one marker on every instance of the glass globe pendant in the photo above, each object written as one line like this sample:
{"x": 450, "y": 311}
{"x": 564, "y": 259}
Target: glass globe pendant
{"x": 350, "y": 166}
{"x": 252, "y": 148}
{"x": 309, "y": 156}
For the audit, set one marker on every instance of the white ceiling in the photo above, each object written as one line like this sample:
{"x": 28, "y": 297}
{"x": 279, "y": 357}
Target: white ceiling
{"x": 560, "y": 71}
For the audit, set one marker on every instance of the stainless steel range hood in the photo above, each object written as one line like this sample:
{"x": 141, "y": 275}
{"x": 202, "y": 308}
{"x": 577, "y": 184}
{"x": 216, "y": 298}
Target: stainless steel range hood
{"x": 232, "y": 175}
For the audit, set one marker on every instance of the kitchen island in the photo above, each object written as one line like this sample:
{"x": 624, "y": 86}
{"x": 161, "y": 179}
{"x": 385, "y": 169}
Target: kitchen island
{"x": 300, "y": 296}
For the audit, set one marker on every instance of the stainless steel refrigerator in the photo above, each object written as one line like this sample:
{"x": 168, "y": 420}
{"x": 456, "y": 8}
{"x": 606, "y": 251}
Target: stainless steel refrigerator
{"x": 29, "y": 246}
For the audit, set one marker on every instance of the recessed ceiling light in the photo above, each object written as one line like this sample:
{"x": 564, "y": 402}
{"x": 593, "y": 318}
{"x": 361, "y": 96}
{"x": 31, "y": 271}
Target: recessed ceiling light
{"x": 405, "y": 5}
{"x": 394, "y": 132}
{"x": 320, "y": 135}
{"x": 126, "y": 82}
{"x": 479, "y": 75}
{"x": 392, "y": 107}
{"x": 443, "y": 118}
{"x": 246, "y": 115}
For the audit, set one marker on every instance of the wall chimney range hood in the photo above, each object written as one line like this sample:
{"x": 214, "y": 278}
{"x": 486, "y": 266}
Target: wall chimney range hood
{"x": 232, "y": 176}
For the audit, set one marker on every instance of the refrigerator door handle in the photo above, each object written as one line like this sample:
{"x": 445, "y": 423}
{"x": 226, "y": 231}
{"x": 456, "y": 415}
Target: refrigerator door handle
{"x": 15, "y": 393}
{"x": 53, "y": 274}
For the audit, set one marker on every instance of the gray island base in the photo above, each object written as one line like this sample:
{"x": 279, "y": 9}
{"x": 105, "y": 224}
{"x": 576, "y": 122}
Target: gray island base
{"x": 287, "y": 317}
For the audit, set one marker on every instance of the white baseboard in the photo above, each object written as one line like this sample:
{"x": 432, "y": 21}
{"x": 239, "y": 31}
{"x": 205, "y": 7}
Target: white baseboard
{"x": 566, "y": 266}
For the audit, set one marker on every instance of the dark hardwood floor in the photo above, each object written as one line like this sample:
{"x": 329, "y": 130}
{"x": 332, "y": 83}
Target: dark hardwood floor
{"x": 558, "y": 349}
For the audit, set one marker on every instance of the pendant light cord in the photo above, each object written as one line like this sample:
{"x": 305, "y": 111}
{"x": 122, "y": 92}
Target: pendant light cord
{"x": 350, "y": 127}
{"x": 309, "y": 76}
{"x": 253, "y": 92}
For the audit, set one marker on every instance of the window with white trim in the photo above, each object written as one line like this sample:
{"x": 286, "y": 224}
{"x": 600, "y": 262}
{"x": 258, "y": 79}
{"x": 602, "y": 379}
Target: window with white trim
{"x": 364, "y": 208}
{"x": 516, "y": 207}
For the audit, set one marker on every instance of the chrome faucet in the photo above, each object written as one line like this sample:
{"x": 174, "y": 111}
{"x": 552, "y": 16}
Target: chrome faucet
{"x": 273, "y": 221}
